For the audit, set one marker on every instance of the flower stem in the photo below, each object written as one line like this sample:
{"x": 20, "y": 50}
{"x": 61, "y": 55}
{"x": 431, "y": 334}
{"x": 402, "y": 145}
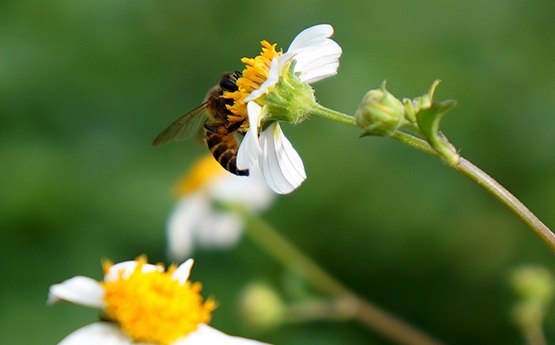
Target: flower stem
{"x": 506, "y": 198}
{"x": 535, "y": 336}
{"x": 464, "y": 167}
{"x": 265, "y": 236}
{"x": 415, "y": 142}
{"x": 320, "y": 110}
{"x": 490, "y": 185}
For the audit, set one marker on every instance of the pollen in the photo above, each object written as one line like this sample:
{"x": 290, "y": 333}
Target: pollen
{"x": 256, "y": 72}
{"x": 152, "y": 307}
{"x": 204, "y": 169}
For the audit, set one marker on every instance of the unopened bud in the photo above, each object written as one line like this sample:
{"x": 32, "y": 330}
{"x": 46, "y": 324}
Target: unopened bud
{"x": 535, "y": 287}
{"x": 534, "y": 283}
{"x": 261, "y": 307}
{"x": 380, "y": 113}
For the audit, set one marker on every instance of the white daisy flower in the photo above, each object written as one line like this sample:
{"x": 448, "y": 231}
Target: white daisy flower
{"x": 143, "y": 304}
{"x": 274, "y": 87}
{"x": 197, "y": 221}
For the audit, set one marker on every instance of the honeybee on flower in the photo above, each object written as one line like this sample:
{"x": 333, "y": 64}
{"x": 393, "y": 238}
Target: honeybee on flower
{"x": 274, "y": 87}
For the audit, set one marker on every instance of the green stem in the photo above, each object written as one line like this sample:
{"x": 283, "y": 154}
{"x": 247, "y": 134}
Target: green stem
{"x": 466, "y": 168}
{"x": 320, "y": 309}
{"x": 320, "y": 110}
{"x": 265, "y": 236}
{"x": 535, "y": 336}
{"x": 490, "y": 185}
{"x": 415, "y": 142}
{"x": 506, "y": 198}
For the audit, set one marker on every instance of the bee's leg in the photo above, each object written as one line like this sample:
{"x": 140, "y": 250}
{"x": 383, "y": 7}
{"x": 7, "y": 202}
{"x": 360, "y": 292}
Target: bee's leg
{"x": 221, "y": 129}
{"x": 217, "y": 128}
{"x": 234, "y": 126}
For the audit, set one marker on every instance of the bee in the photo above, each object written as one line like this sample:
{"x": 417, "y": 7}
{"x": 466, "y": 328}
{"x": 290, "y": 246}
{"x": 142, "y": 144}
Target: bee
{"x": 219, "y": 132}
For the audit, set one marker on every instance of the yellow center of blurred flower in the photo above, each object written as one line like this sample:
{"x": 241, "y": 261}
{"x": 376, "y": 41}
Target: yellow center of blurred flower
{"x": 204, "y": 170}
{"x": 153, "y": 307}
{"x": 255, "y": 73}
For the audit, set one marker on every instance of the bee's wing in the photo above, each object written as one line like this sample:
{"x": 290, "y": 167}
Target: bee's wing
{"x": 182, "y": 128}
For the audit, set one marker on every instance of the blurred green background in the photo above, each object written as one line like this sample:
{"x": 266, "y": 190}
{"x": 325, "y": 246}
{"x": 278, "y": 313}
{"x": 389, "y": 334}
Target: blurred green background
{"x": 86, "y": 85}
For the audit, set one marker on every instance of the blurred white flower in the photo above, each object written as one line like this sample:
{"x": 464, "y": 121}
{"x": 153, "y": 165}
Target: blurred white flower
{"x": 143, "y": 304}
{"x": 197, "y": 221}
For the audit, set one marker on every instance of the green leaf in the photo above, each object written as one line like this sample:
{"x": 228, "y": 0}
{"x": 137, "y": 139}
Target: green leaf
{"x": 428, "y": 121}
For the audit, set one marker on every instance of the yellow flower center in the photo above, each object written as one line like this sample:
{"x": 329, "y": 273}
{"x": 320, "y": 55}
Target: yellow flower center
{"x": 204, "y": 170}
{"x": 153, "y": 307}
{"x": 255, "y": 73}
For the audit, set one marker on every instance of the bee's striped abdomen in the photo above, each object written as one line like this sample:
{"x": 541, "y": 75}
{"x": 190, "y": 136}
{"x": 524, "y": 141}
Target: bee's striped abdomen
{"x": 224, "y": 149}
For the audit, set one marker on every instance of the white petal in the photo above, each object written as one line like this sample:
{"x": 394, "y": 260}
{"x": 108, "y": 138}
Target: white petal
{"x": 223, "y": 230}
{"x": 183, "y": 225}
{"x": 251, "y": 191}
{"x": 80, "y": 290}
{"x": 273, "y": 76}
{"x": 281, "y": 165}
{"x": 249, "y": 150}
{"x": 206, "y": 335}
{"x": 182, "y": 273}
{"x": 312, "y": 36}
{"x": 256, "y": 194}
{"x": 319, "y": 63}
{"x": 98, "y": 333}
{"x": 317, "y": 74}
{"x": 316, "y": 55}
{"x": 312, "y": 49}
{"x": 126, "y": 268}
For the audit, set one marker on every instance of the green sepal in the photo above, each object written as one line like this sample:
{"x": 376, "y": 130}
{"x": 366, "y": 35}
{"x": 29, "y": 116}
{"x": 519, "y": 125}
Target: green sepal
{"x": 428, "y": 120}
{"x": 290, "y": 99}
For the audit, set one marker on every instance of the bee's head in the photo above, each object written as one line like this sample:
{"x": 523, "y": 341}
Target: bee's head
{"x": 228, "y": 81}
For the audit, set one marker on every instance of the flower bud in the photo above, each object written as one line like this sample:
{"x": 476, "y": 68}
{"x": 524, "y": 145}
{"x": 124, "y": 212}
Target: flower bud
{"x": 261, "y": 307}
{"x": 532, "y": 282}
{"x": 380, "y": 113}
{"x": 535, "y": 287}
